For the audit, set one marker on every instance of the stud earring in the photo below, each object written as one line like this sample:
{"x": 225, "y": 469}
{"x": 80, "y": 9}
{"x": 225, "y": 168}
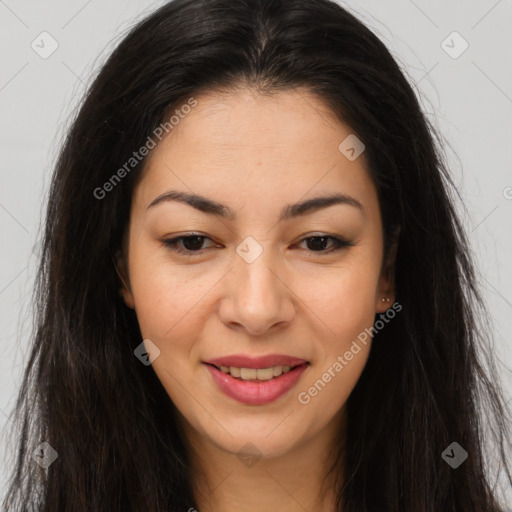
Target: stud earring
{"x": 385, "y": 300}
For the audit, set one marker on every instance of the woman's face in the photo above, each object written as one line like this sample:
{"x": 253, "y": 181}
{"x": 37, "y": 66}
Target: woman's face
{"x": 261, "y": 277}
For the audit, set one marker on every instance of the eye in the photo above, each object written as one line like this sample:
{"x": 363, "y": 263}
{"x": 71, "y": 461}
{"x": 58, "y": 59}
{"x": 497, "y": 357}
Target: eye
{"x": 318, "y": 243}
{"x": 192, "y": 245}
{"x": 187, "y": 244}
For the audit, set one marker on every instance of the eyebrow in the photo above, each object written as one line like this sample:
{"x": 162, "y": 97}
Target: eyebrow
{"x": 212, "y": 207}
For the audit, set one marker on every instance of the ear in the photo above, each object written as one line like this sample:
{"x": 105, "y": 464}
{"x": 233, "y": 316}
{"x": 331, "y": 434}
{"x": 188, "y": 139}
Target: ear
{"x": 122, "y": 272}
{"x": 386, "y": 287}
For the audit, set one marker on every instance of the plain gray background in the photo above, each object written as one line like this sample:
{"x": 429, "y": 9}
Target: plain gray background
{"x": 467, "y": 94}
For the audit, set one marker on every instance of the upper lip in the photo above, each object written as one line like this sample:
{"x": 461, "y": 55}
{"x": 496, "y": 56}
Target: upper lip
{"x": 245, "y": 361}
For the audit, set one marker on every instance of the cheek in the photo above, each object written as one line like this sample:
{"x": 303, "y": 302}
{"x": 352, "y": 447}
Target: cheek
{"x": 345, "y": 304}
{"x": 165, "y": 295}
{"x": 327, "y": 389}
{"x": 347, "y": 312}
{"x": 343, "y": 299}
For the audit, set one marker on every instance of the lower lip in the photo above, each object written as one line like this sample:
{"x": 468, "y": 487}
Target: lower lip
{"x": 256, "y": 393}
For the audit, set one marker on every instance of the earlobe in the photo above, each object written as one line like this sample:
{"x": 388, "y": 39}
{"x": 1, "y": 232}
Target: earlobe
{"x": 124, "y": 290}
{"x": 384, "y": 302}
{"x": 386, "y": 291}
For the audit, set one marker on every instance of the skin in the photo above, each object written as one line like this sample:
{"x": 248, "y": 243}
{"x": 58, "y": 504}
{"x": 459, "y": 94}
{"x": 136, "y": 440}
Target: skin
{"x": 255, "y": 154}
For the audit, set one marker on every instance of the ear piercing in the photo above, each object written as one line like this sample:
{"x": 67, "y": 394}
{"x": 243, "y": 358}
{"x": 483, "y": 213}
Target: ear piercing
{"x": 385, "y": 300}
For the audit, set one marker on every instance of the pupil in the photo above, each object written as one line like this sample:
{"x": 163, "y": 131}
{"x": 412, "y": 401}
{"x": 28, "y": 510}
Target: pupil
{"x": 192, "y": 243}
{"x": 317, "y": 243}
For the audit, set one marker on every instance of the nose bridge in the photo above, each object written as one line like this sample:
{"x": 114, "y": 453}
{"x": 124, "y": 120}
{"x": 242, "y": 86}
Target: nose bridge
{"x": 254, "y": 267}
{"x": 257, "y": 298}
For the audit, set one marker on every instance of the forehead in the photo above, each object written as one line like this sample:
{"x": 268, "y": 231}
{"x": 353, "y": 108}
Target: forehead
{"x": 284, "y": 124}
{"x": 244, "y": 143}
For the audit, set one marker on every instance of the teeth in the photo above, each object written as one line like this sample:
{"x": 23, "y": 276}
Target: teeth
{"x": 235, "y": 372}
{"x": 264, "y": 373}
{"x": 278, "y": 370}
{"x": 248, "y": 373}
{"x": 253, "y": 373}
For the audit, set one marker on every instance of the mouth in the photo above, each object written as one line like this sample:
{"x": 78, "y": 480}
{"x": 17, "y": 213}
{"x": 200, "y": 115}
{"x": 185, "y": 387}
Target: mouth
{"x": 255, "y": 374}
{"x": 256, "y": 386}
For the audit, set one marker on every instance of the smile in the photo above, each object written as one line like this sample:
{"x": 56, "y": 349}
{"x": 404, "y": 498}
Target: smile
{"x": 251, "y": 374}
{"x": 255, "y": 386}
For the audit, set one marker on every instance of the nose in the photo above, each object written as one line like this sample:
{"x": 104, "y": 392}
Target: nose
{"x": 257, "y": 299}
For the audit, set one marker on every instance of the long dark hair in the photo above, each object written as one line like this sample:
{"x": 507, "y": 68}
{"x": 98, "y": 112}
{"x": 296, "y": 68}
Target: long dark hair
{"x": 426, "y": 383}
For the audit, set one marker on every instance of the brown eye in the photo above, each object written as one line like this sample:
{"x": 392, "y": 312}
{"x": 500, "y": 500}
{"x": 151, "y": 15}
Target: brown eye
{"x": 187, "y": 243}
{"x": 190, "y": 244}
{"x": 320, "y": 243}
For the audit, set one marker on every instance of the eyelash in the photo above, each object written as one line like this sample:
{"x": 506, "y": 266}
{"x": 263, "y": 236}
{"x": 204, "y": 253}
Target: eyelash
{"x": 172, "y": 244}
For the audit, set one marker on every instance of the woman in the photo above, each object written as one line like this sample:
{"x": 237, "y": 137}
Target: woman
{"x": 255, "y": 293}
